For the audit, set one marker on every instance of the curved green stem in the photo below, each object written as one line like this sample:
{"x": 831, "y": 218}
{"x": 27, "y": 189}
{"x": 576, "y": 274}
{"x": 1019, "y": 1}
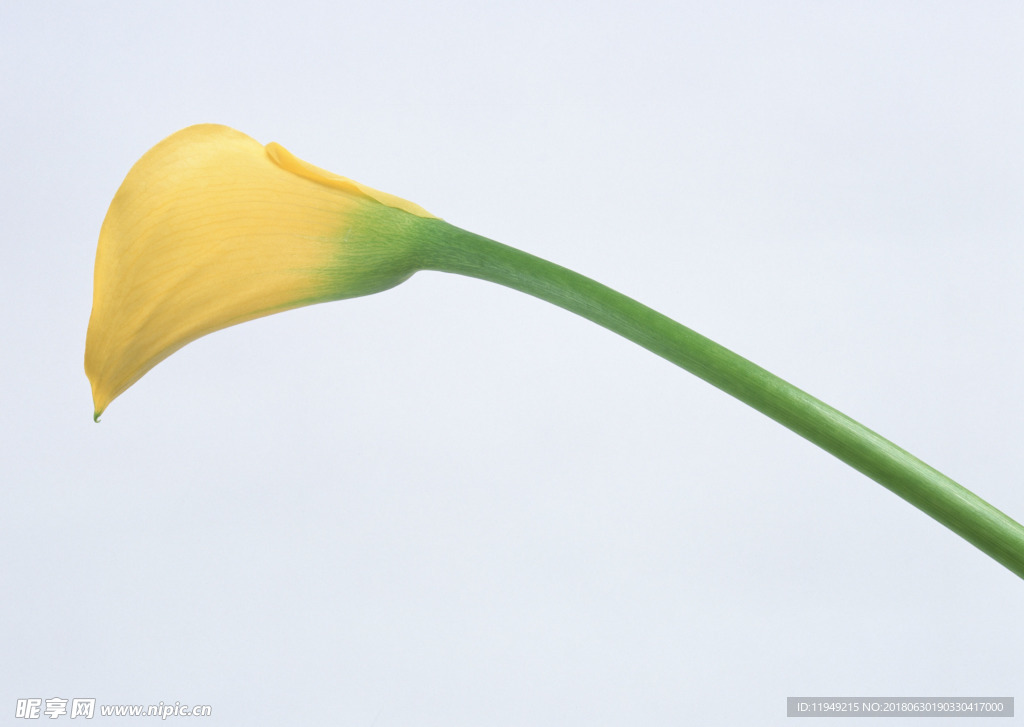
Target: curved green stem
{"x": 453, "y": 250}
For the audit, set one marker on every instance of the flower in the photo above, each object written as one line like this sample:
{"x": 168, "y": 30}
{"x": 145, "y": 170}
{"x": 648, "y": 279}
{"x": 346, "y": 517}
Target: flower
{"x": 210, "y": 228}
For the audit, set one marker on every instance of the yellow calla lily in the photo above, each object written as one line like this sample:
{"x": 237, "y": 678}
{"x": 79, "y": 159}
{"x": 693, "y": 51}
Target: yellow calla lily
{"x": 211, "y": 228}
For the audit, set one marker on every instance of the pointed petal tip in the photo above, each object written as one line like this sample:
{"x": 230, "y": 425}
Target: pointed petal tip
{"x": 99, "y": 401}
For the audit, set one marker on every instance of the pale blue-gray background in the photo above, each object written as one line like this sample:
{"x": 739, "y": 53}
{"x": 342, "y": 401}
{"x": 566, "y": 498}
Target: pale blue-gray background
{"x": 451, "y": 504}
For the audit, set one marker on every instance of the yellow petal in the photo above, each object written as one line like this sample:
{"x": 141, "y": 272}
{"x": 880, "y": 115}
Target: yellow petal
{"x": 210, "y": 228}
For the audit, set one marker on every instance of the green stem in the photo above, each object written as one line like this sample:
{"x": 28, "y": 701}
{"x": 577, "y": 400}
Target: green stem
{"x": 453, "y": 250}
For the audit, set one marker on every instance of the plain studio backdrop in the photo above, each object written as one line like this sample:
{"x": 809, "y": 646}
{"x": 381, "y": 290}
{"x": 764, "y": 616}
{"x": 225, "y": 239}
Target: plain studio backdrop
{"x": 452, "y": 504}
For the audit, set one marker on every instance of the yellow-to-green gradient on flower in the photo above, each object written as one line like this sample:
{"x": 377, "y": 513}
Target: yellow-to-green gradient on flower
{"x": 211, "y": 228}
